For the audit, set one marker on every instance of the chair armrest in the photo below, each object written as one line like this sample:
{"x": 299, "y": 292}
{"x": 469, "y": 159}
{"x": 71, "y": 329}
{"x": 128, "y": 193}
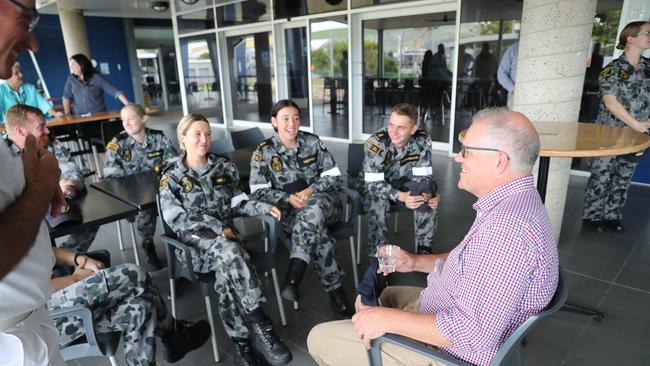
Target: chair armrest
{"x": 353, "y": 199}
{"x": 374, "y": 354}
{"x": 86, "y": 318}
{"x": 187, "y": 253}
{"x": 272, "y": 228}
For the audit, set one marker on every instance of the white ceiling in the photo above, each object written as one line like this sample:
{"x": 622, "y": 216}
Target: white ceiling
{"x": 107, "y": 8}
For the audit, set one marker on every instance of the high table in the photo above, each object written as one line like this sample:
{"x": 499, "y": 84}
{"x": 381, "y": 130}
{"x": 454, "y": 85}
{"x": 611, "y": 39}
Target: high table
{"x": 97, "y": 209}
{"x": 573, "y": 140}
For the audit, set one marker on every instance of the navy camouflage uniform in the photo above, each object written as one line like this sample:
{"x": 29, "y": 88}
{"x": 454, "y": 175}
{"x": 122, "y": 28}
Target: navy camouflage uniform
{"x": 386, "y": 172}
{"x": 611, "y": 175}
{"x": 79, "y": 241}
{"x": 197, "y": 205}
{"x": 121, "y": 298}
{"x": 124, "y": 156}
{"x": 272, "y": 167}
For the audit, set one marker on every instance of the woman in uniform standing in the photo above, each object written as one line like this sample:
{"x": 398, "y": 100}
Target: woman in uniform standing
{"x": 625, "y": 87}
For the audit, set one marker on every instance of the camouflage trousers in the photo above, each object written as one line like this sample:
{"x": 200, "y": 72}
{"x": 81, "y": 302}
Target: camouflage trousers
{"x": 425, "y": 223}
{"x": 80, "y": 241}
{"x": 121, "y": 298}
{"x": 236, "y": 284}
{"x": 310, "y": 238}
{"x": 607, "y": 188}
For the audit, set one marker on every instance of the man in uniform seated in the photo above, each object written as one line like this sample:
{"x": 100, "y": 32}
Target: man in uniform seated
{"x": 504, "y": 271}
{"x": 396, "y": 159}
{"x": 23, "y": 120}
{"x": 122, "y": 298}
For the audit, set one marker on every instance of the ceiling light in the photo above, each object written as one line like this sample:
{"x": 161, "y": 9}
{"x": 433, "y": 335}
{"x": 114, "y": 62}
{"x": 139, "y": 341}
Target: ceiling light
{"x": 190, "y": 2}
{"x": 160, "y": 6}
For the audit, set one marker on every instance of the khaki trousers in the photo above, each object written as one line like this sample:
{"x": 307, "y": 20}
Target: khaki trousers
{"x": 335, "y": 343}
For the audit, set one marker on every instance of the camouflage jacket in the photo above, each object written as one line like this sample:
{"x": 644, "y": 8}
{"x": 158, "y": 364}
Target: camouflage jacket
{"x": 273, "y": 166}
{"x": 69, "y": 170}
{"x": 193, "y": 201}
{"x": 387, "y": 169}
{"x": 630, "y": 85}
{"x": 124, "y": 156}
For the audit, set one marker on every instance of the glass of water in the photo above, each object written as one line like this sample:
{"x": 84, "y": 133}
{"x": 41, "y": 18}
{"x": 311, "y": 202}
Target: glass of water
{"x": 388, "y": 254}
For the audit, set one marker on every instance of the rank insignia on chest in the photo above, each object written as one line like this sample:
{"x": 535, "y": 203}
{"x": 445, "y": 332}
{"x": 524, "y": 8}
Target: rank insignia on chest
{"x": 187, "y": 184}
{"x": 409, "y": 158}
{"x": 127, "y": 155}
{"x": 388, "y": 160}
{"x": 113, "y": 147}
{"x": 276, "y": 164}
{"x": 623, "y": 75}
{"x": 163, "y": 182}
{"x": 154, "y": 154}
{"x": 373, "y": 148}
{"x": 219, "y": 181}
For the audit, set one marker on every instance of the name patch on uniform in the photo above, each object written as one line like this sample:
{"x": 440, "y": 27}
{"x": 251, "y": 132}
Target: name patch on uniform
{"x": 276, "y": 164}
{"x": 154, "y": 154}
{"x": 372, "y": 148}
{"x": 163, "y": 182}
{"x": 609, "y": 70}
{"x": 113, "y": 147}
{"x": 623, "y": 75}
{"x": 257, "y": 157}
{"x": 307, "y": 161}
{"x": 187, "y": 184}
{"x": 409, "y": 158}
{"x": 220, "y": 181}
{"x": 127, "y": 155}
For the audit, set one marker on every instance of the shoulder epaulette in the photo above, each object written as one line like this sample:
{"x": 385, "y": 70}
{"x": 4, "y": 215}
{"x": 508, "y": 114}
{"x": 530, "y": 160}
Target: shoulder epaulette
{"x": 154, "y": 132}
{"x": 264, "y": 143}
{"x": 218, "y": 156}
{"x": 166, "y": 165}
{"x": 383, "y": 137}
{"x": 121, "y": 136}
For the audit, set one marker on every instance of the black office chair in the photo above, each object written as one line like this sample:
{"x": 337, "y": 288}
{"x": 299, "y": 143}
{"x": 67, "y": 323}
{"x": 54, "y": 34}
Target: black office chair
{"x": 246, "y": 138}
{"x": 221, "y": 146}
{"x": 510, "y": 352}
{"x": 263, "y": 262}
{"x": 355, "y": 167}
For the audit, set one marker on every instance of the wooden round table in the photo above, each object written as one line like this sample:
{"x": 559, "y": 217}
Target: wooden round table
{"x": 579, "y": 140}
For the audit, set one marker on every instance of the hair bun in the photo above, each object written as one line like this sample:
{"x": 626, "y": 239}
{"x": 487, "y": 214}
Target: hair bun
{"x": 620, "y": 46}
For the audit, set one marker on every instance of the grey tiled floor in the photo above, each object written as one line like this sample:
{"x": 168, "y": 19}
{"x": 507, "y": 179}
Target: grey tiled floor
{"x": 607, "y": 271}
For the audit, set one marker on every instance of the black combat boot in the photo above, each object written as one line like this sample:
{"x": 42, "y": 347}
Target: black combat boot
{"x": 339, "y": 304}
{"x": 152, "y": 256}
{"x": 266, "y": 342}
{"x": 182, "y": 338}
{"x": 244, "y": 355}
{"x": 294, "y": 276}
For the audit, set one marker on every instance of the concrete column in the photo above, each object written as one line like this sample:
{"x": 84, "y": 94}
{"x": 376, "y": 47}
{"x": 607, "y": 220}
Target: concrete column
{"x": 134, "y": 64}
{"x": 554, "y": 46}
{"x": 163, "y": 77}
{"x": 73, "y": 27}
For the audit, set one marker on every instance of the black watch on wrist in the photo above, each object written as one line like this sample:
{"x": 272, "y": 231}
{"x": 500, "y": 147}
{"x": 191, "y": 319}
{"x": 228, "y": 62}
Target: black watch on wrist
{"x": 77, "y": 255}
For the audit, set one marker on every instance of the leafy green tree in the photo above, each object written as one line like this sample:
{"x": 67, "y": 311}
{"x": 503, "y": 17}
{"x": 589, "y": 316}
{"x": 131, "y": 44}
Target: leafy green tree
{"x": 605, "y": 29}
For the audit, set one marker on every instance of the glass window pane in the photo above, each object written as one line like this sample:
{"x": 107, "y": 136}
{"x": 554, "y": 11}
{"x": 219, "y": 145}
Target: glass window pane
{"x": 245, "y": 12}
{"x": 251, "y": 70}
{"x": 184, "y": 5}
{"x": 201, "y": 70}
{"x": 329, "y": 63}
{"x": 297, "y": 76}
{"x": 482, "y": 42}
{"x": 364, "y": 3}
{"x": 294, "y": 8}
{"x": 408, "y": 60}
{"x": 196, "y": 21}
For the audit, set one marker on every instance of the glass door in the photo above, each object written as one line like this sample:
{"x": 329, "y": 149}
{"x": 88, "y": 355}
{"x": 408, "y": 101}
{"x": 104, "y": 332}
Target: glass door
{"x": 293, "y": 67}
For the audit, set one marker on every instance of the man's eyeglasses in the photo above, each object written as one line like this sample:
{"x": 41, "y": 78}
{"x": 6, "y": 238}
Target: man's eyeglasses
{"x": 31, "y": 12}
{"x": 464, "y": 148}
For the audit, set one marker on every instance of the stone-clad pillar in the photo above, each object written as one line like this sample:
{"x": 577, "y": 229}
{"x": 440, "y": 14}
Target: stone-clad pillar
{"x": 554, "y": 46}
{"x": 73, "y": 27}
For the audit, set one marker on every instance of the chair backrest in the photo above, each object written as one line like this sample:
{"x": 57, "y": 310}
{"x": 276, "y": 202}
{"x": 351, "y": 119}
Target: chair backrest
{"x": 246, "y": 138}
{"x": 169, "y": 129}
{"x": 221, "y": 146}
{"x": 511, "y": 349}
{"x": 355, "y": 160}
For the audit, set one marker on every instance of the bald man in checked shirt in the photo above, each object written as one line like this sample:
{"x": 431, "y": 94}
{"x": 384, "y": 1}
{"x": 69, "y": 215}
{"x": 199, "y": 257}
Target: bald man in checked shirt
{"x": 504, "y": 270}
